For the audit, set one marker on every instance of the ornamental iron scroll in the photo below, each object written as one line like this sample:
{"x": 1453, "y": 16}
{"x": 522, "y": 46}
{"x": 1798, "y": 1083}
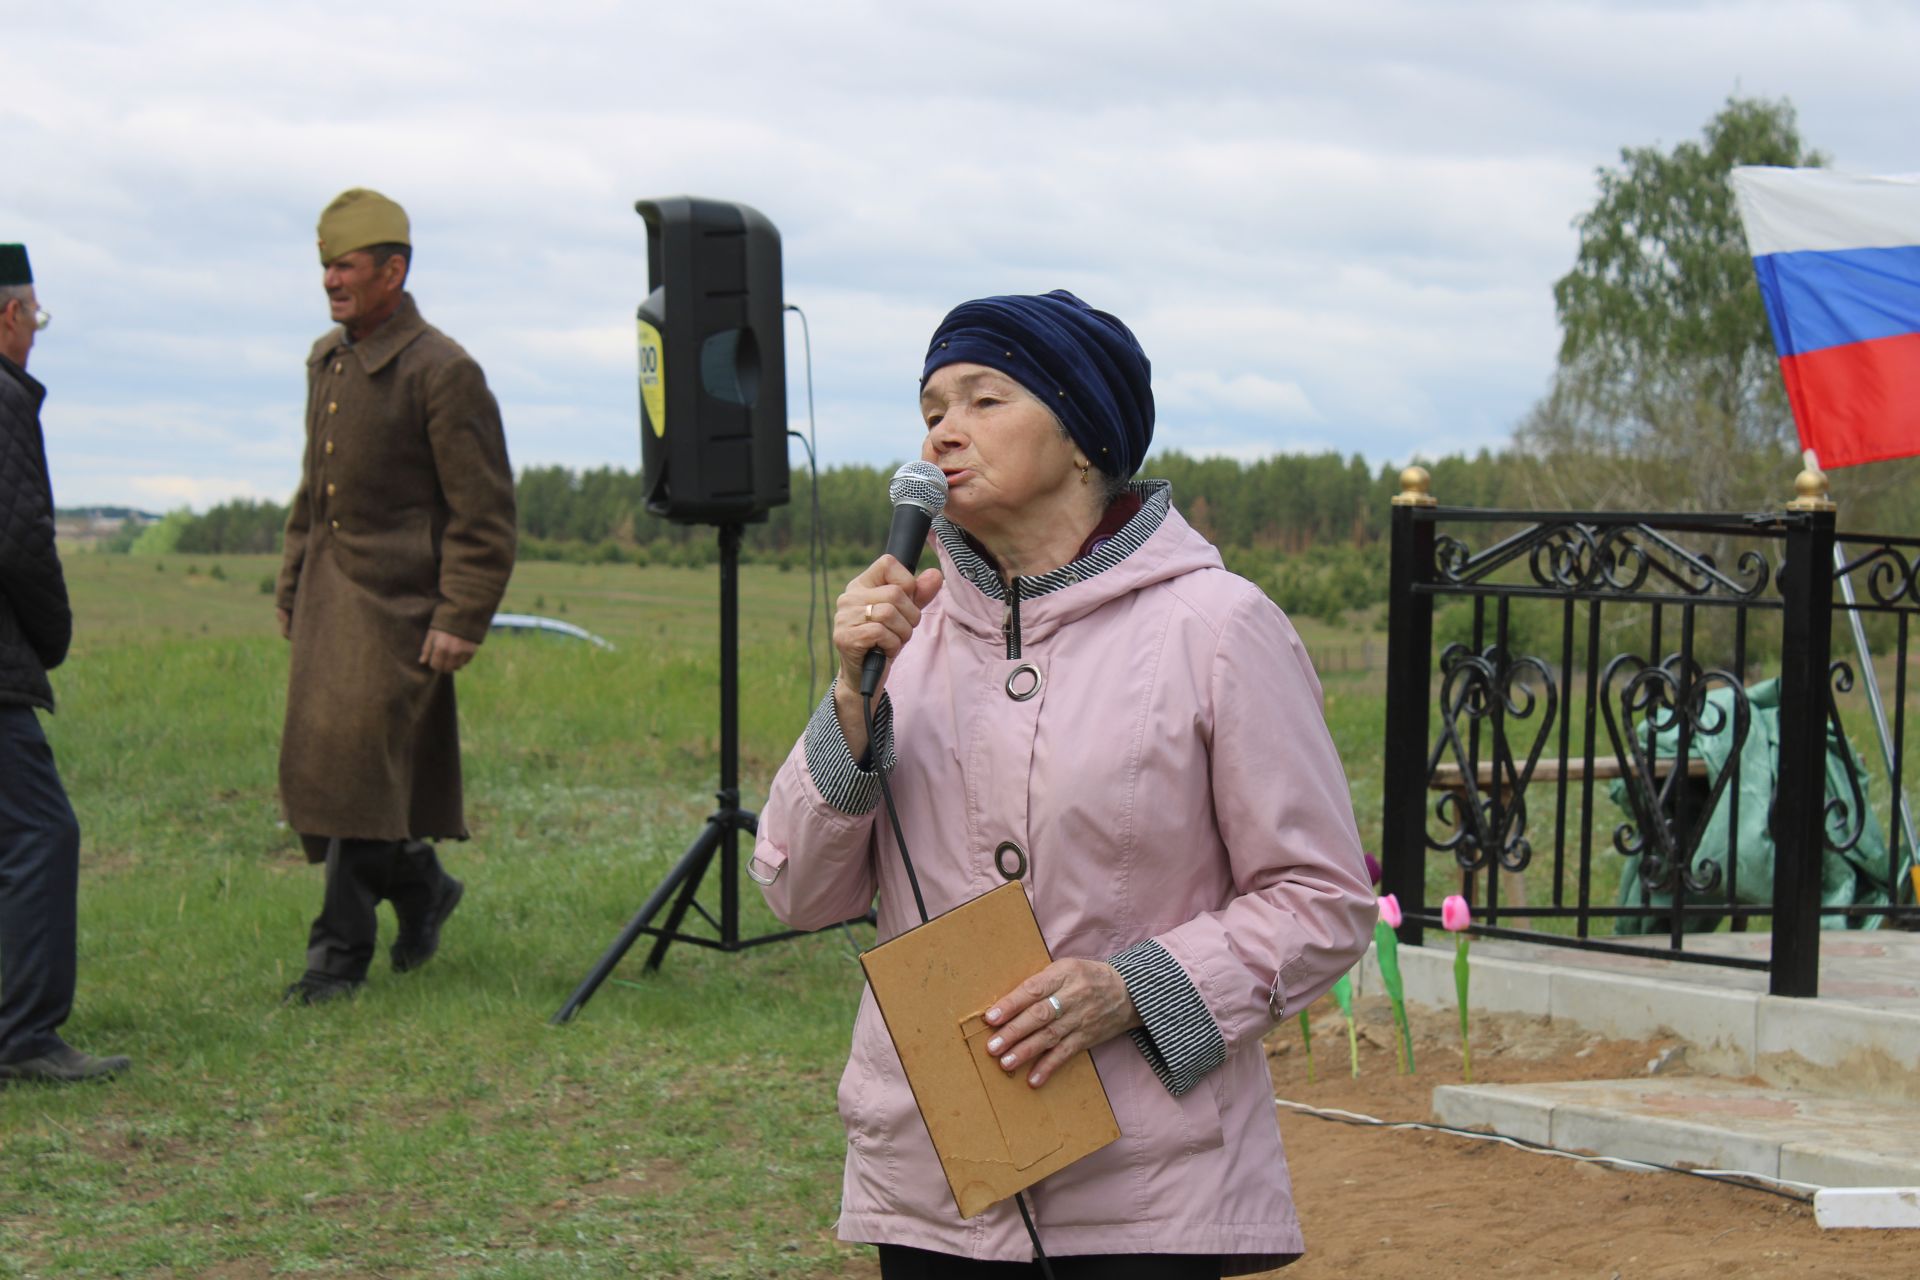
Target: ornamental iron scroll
{"x": 1890, "y": 576}
{"x": 1489, "y": 690}
{"x": 1653, "y": 700}
{"x": 1611, "y": 559}
{"x": 1846, "y": 816}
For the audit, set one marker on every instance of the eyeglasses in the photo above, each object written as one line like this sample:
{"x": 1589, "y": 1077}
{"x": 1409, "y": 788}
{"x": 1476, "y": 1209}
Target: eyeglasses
{"x": 41, "y": 318}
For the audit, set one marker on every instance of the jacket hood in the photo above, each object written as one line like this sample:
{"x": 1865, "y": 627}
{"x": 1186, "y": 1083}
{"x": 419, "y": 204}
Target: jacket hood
{"x": 1172, "y": 550}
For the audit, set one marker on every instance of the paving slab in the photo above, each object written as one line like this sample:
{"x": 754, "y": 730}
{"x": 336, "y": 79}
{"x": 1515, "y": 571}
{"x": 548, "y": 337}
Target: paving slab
{"x": 1704, "y": 1122}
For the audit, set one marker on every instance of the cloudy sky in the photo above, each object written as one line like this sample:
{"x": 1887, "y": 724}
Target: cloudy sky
{"x": 1333, "y": 225}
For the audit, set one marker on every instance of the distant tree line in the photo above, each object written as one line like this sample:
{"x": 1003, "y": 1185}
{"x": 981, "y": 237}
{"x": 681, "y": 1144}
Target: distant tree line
{"x": 1308, "y": 527}
{"x": 1286, "y": 503}
{"x": 240, "y": 527}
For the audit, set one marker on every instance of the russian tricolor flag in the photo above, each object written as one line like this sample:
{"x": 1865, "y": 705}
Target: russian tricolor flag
{"x": 1838, "y": 257}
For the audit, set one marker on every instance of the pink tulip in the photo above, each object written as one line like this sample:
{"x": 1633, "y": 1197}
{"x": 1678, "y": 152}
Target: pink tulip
{"x": 1390, "y": 910}
{"x": 1455, "y": 915}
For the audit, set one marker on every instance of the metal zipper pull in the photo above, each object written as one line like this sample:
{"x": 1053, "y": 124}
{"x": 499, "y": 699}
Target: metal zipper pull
{"x": 1011, "y": 627}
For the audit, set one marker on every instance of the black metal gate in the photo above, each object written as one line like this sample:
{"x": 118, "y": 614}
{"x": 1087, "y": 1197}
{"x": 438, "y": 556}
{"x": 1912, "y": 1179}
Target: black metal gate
{"x": 1598, "y": 670}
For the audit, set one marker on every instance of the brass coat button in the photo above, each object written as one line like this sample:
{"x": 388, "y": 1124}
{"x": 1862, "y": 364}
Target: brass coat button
{"x": 332, "y": 489}
{"x": 329, "y": 446}
{"x": 334, "y": 523}
{"x": 333, "y": 406}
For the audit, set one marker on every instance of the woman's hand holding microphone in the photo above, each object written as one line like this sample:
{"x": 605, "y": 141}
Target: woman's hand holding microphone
{"x": 878, "y": 610}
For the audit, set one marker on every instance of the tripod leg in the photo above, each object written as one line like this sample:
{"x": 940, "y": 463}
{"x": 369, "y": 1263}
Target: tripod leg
{"x": 723, "y": 825}
{"x": 692, "y": 865}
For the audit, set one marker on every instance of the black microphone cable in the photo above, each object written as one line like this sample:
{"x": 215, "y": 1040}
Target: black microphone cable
{"x": 893, "y": 814}
{"x": 920, "y": 905}
{"x": 817, "y": 537}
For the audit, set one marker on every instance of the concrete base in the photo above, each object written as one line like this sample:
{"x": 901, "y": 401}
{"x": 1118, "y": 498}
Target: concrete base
{"x": 1706, "y": 1123}
{"x": 1860, "y": 1038}
{"x": 1838, "y": 1103}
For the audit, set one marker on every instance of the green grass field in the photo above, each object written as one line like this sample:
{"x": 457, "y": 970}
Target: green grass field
{"x": 683, "y": 1125}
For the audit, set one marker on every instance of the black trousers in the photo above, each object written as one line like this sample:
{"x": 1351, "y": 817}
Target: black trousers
{"x": 39, "y": 890}
{"x": 360, "y": 875}
{"x": 897, "y": 1262}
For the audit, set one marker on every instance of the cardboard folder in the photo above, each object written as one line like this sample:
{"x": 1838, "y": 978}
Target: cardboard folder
{"x": 995, "y": 1134}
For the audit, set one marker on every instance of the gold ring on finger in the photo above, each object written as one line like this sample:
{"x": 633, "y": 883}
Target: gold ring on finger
{"x": 869, "y": 614}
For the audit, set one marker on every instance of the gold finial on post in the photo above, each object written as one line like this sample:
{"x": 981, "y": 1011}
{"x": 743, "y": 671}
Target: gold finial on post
{"x": 1810, "y": 488}
{"x": 1414, "y": 482}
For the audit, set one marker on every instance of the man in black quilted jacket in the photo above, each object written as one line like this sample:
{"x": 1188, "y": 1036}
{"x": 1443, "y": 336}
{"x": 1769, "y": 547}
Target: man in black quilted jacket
{"x": 39, "y": 836}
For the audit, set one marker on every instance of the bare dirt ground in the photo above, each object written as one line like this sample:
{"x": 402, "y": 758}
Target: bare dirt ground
{"x": 1384, "y": 1203}
{"x": 1388, "y": 1204}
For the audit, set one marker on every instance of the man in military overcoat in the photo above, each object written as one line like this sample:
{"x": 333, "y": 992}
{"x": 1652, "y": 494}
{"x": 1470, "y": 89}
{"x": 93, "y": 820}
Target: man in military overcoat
{"x": 39, "y": 836}
{"x": 399, "y": 545}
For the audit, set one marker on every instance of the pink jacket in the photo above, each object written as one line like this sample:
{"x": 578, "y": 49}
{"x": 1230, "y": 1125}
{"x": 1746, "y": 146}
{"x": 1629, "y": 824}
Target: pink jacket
{"x": 1173, "y": 779}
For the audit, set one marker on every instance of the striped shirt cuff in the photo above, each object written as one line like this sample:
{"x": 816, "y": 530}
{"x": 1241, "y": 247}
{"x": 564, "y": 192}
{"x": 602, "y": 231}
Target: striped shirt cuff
{"x": 847, "y": 786}
{"x": 1180, "y": 1040}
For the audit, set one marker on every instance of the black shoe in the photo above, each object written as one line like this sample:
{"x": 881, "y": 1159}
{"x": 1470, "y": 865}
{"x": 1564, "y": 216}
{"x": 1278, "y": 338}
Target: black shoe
{"x": 420, "y": 937}
{"x": 65, "y": 1065}
{"x": 318, "y": 988}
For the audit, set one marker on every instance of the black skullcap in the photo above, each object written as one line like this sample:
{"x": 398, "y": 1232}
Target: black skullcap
{"x": 14, "y": 267}
{"x": 1083, "y": 364}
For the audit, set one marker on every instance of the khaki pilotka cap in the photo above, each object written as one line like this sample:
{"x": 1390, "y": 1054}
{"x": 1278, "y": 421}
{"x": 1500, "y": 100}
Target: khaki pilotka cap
{"x": 358, "y": 218}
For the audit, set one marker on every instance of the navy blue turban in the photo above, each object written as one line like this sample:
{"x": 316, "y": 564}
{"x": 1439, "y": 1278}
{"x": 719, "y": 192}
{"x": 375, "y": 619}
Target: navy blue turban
{"x": 1083, "y": 364}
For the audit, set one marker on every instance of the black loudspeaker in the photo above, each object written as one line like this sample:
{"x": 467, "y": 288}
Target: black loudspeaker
{"x": 713, "y": 370}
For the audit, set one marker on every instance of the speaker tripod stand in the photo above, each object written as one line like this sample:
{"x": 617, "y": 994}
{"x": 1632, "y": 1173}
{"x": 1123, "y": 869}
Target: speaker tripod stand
{"x": 721, "y": 835}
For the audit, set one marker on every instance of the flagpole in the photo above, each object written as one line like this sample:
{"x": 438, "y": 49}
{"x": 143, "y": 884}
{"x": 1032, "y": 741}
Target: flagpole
{"x": 1873, "y": 698}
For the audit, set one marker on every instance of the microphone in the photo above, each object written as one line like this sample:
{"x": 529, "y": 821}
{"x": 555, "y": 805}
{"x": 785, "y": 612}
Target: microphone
{"x": 918, "y": 492}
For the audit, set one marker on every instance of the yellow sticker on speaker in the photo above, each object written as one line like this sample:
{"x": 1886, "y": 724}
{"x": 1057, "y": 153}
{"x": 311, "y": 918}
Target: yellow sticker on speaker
{"x": 653, "y": 384}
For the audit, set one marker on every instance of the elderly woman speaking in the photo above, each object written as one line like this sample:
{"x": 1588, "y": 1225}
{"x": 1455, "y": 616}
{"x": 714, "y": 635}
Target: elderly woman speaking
{"x": 1081, "y": 698}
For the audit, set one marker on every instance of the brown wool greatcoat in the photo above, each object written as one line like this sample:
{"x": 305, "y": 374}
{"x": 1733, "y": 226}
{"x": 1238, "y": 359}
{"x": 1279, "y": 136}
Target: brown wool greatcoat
{"x": 404, "y": 521}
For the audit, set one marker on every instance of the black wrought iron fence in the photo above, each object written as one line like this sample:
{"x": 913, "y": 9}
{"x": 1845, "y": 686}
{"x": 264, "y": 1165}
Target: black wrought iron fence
{"x": 1618, "y": 730}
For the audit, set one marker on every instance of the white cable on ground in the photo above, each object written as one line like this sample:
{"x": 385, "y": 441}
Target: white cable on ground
{"x": 1521, "y": 1144}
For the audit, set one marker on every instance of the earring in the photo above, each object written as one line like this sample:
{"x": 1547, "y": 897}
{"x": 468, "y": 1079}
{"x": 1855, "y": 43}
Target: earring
{"x": 1083, "y": 472}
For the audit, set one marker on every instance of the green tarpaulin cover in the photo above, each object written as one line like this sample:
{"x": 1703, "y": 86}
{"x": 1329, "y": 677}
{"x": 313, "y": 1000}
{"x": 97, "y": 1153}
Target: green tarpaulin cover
{"x": 1855, "y": 877}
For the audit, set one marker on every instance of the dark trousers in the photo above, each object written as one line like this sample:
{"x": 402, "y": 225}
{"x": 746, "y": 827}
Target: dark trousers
{"x": 360, "y": 875}
{"x": 39, "y": 889}
{"x": 897, "y": 1262}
